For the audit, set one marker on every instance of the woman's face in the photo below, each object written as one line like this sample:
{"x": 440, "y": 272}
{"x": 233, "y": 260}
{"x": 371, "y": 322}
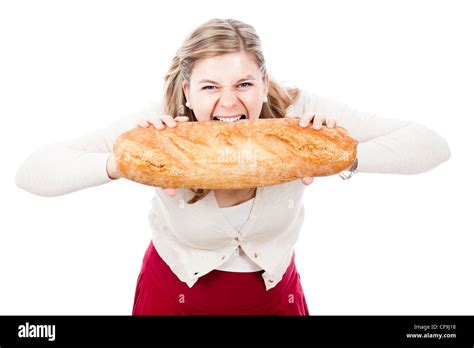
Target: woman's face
{"x": 226, "y": 86}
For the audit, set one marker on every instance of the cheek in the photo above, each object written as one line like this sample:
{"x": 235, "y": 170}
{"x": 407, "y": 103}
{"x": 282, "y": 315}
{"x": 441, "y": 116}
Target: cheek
{"x": 254, "y": 105}
{"x": 203, "y": 108}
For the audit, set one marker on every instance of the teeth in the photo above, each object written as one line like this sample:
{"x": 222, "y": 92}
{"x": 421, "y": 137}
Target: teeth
{"x": 228, "y": 119}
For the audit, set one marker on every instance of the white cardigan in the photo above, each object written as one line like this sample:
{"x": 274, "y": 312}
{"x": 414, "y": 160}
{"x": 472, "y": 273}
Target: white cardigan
{"x": 194, "y": 239}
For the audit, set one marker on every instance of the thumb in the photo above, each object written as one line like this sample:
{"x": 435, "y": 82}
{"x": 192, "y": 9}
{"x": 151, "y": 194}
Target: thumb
{"x": 170, "y": 192}
{"x": 181, "y": 118}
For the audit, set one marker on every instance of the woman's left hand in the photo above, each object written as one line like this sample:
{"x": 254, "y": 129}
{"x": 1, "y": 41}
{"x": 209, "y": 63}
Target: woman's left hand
{"x": 317, "y": 124}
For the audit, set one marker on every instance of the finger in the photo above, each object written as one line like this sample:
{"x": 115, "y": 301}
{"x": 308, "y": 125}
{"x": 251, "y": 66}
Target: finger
{"x": 170, "y": 192}
{"x": 169, "y": 121}
{"x": 181, "y": 118}
{"x": 142, "y": 123}
{"x": 306, "y": 118}
{"x": 157, "y": 123}
{"x": 331, "y": 123}
{"x": 307, "y": 180}
{"x": 318, "y": 121}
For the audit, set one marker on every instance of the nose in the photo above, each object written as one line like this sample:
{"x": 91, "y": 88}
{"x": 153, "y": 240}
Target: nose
{"x": 228, "y": 98}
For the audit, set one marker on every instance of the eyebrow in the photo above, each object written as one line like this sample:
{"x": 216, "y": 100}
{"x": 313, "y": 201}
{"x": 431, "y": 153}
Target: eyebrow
{"x": 248, "y": 77}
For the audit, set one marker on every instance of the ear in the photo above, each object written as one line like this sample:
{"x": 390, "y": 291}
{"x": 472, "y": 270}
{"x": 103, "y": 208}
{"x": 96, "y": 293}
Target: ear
{"x": 266, "y": 83}
{"x": 185, "y": 88}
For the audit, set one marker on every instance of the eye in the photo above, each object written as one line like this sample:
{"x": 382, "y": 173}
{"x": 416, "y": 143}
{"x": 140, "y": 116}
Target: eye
{"x": 208, "y": 88}
{"x": 246, "y": 83}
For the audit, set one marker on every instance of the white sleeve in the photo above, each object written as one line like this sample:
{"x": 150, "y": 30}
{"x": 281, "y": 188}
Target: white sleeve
{"x": 66, "y": 166}
{"x": 385, "y": 145}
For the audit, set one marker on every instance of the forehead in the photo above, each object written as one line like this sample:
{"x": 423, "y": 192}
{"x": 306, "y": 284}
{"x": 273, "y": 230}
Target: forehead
{"x": 225, "y": 68}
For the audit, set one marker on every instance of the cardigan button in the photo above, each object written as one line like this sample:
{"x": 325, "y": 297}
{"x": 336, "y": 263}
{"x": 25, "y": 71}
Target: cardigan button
{"x": 223, "y": 257}
{"x": 255, "y": 255}
{"x": 270, "y": 280}
{"x": 196, "y": 273}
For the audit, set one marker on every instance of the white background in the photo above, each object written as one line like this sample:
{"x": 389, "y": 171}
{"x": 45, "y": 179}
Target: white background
{"x": 376, "y": 244}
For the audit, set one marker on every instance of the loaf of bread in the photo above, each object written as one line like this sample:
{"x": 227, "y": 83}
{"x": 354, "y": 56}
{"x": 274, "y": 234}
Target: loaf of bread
{"x": 232, "y": 155}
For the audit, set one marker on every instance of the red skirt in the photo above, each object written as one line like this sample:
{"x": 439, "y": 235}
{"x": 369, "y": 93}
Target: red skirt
{"x": 160, "y": 292}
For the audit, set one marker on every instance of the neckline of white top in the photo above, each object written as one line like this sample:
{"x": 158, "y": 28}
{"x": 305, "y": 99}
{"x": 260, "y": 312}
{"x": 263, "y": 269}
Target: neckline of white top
{"x": 239, "y": 205}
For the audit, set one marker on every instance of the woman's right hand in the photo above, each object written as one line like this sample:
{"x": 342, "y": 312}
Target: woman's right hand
{"x": 160, "y": 122}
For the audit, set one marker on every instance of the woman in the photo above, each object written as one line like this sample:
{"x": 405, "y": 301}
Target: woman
{"x": 228, "y": 252}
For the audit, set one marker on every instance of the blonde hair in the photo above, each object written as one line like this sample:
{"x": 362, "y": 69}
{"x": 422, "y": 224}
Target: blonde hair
{"x": 213, "y": 38}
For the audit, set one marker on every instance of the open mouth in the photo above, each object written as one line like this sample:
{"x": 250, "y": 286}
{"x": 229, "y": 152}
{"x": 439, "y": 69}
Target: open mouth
{"x": 229, "y": 119}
